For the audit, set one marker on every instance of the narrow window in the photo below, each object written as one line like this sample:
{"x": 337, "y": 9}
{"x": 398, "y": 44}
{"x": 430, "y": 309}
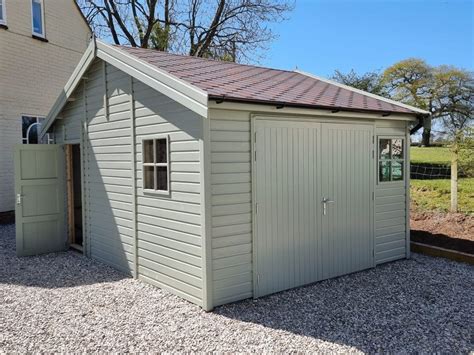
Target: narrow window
{"x": 30, "y": 127}
{"x": 391, "y": 159}
{"x": 156, "y": 165}
{"x": 37, "y": 17}
{"x": 3, "y": 13}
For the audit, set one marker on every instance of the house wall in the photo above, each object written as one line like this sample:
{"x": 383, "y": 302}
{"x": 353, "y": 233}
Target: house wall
{"x": 231, "y": 206}
{"x": 126, "y": 226}
{"x": 32, "y": 72}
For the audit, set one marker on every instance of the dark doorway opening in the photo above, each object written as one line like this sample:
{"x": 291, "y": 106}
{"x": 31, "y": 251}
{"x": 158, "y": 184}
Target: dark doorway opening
{"x": 74, "y": 188}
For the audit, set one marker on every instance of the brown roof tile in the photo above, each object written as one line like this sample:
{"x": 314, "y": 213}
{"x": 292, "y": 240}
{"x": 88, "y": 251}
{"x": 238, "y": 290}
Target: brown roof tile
{"x": 247, "y": 83}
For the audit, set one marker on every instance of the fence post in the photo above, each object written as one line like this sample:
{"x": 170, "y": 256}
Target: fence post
{"x": 454, "y": 178}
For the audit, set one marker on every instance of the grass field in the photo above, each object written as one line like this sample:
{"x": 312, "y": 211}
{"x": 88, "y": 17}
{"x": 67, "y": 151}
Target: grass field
{"x": 434, "y": 195}
{"x": 430, "y": 155}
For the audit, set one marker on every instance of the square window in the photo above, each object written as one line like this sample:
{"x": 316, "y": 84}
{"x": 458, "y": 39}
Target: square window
{"x": 391, "y": 159}
{"x": 155, "y": 165}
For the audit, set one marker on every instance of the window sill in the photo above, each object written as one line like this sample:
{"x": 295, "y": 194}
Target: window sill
{"x": 42, "y": 39}
{"x": 5, "y": 27}
{"x": 163, "y": 193}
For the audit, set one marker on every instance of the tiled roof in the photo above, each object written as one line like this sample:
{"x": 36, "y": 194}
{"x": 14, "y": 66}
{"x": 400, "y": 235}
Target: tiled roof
{"x": 247, "y": 83}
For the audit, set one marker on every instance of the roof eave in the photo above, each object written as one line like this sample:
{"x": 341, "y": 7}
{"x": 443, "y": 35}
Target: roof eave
{"x": 306, "y": 106}
{"x": 415, "y": 110}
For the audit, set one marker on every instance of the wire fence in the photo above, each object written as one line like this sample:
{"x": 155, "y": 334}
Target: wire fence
{"x": 433, "y": 171}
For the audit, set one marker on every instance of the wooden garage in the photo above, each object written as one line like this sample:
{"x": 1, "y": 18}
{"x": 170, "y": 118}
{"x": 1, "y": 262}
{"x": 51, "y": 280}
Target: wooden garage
{"x": 214, "y": 180}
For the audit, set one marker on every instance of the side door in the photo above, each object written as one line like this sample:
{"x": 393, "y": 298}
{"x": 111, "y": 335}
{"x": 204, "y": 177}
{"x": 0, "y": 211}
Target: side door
{"x": 39, "y": 191}
{"x": 348, "y": 206}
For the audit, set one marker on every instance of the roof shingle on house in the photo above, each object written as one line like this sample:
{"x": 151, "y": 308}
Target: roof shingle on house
{"x": 246, "y": 83}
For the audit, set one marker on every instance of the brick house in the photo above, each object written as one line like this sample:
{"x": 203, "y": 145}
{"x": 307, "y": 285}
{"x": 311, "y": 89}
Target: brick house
{"x": 41, "y": 42}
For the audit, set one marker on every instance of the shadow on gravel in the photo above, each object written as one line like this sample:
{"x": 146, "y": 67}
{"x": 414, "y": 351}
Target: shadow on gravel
{"x": 422, "y": 304}
{"x": 65, "y": 269}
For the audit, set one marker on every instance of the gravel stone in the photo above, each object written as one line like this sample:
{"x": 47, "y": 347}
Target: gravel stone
{"x": 65, "y": 302}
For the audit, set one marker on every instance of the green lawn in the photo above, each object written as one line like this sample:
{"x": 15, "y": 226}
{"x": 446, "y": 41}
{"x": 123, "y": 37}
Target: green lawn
{"x": 434, "y": 195}
{"x": 430, "y": 155}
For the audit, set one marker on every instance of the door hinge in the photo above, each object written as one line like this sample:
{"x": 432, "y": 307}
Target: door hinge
{"x": 373, "y": 154}
{"x": 258, "y": 278}
{"x": 255, "y": 155}
{"x": 256, "y": 208}
{"x": 373, "y": 195}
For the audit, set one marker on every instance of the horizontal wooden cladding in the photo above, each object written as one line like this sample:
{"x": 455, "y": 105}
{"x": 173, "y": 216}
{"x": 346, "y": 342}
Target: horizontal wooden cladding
{"x": 390, "y": 212}
{"x": 109, "y": 171}
{"x": 169, "y": 226}
{"x": 231, "y": 207}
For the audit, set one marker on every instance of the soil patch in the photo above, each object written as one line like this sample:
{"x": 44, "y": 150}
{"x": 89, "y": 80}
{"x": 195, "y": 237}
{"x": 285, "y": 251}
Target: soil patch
{"x": 7, "y": 217}
{"x": 453, "y": 231}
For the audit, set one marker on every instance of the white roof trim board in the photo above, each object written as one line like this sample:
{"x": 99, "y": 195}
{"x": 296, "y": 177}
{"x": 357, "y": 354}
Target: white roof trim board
{"x": 381, "y": 98}
{"x": 186, "y": 94}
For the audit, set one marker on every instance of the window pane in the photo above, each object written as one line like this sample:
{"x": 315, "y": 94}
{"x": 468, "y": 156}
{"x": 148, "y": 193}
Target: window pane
{"x": 26, "y": 122}
{"x": 397, "y": 170}
{"x": 161, "y": 153}
{"x": 37, "y": 17}
{"x": 162, "y": 178}
{"x": 384, "y": 171}
{"x": 384, "y": 149}
{"x": 1, "y": 11}
{"x": 397, "y": 148}
{"x": 148, "y": 176}
{"x": 148, "y": 151}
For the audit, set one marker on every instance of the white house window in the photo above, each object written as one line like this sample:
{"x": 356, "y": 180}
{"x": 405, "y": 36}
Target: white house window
{"x": 391, "y": 159}
{"x": 3, "y": 13}
{"x": 156, "y": 165}
{"x": 37, "y": 17}
{"x": 30, "y": 127}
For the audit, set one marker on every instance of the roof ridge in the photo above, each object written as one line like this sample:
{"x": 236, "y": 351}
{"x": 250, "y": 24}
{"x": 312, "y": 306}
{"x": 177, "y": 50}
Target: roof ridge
{"x": 201, "y": 58}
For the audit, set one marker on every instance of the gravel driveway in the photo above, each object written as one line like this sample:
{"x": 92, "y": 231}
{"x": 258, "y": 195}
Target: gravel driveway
{"x": 65, "y": 302}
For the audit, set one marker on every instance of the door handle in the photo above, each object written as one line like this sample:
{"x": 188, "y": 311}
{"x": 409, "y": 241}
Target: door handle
{"x": 325, "y": 204}
{"x": 19, "y": 198}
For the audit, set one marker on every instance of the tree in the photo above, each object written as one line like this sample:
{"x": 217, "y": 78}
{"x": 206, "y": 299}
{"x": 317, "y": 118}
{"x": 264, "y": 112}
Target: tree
{"x": 455, "y": 99}
{"x": 369, "y": 82}
{"x": 223, "y": 29}
{"x": 411, "y": 81}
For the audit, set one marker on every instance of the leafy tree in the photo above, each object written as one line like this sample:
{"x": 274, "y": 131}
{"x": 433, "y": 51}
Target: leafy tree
{"x": 455, "y": 99}
{"x": 369, "y": 82}
{"x": 411, "y": 81}
{"x": 224, "y": 29}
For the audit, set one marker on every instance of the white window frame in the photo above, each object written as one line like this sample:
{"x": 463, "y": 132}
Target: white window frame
{"x": 4, "y": 13}
{"x": 42, "y": 35}
{"x": 155, "y": 164}
{"x": 403, "y": 160}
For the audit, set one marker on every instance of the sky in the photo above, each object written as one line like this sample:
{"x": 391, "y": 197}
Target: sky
{"x": 366, "y": 35}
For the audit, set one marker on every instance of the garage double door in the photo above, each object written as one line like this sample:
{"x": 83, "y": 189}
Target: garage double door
{"x": 313, "y": 189}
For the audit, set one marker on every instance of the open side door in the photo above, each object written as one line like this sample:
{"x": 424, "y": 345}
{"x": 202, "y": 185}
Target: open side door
{"x": 39, "y": 189}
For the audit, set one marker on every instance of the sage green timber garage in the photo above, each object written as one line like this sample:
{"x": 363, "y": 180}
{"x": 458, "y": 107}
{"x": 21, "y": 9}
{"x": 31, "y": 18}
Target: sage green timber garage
{"x": 219, "y": 198}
